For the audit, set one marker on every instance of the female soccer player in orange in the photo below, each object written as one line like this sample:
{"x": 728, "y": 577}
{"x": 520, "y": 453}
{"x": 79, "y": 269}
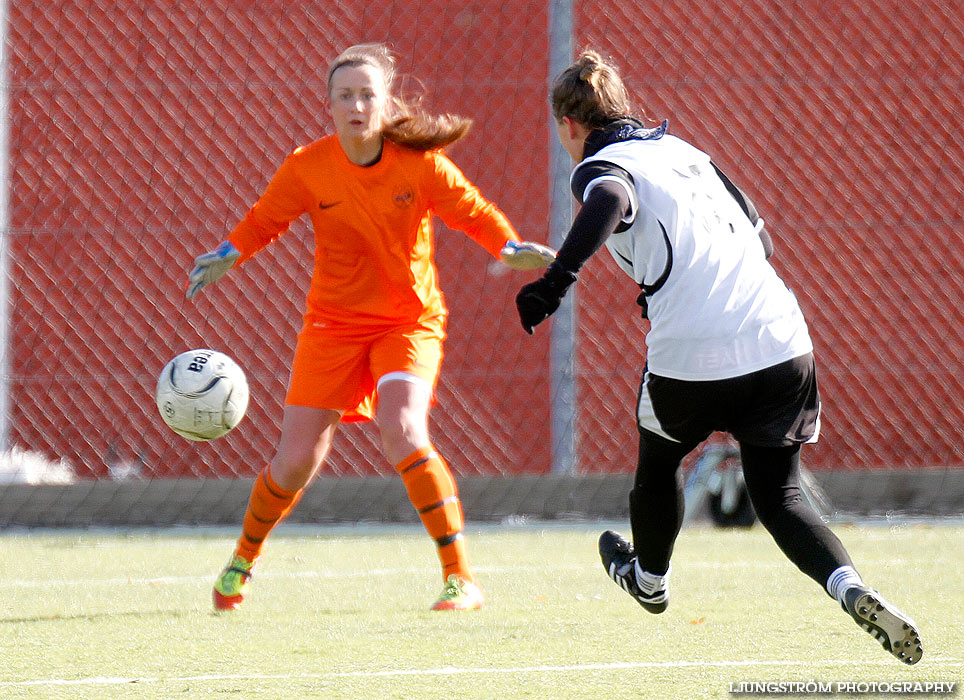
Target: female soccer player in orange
{"x": 371, "y": 342}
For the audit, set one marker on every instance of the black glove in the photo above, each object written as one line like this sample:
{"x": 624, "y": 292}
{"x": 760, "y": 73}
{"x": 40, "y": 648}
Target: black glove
{"x": 538, "y": 300}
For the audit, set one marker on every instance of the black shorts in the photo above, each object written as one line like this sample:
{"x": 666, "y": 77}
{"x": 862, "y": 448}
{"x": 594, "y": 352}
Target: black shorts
{"x": 774, "y": 407}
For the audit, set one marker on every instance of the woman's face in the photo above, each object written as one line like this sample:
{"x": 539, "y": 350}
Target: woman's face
{"x": 358, "y": 97}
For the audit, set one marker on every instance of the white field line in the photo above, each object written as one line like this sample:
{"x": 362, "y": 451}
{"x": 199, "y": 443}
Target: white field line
{"x": 345, "y": 574}
{"x": 207, "y": 578}
{"x": 366, "y": 573}
{"x": 455, "y": 671}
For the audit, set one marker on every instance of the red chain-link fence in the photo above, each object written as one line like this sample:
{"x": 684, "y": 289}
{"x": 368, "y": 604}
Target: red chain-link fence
{"x": 141, "y": 132}
{"x": 843, "y": 122}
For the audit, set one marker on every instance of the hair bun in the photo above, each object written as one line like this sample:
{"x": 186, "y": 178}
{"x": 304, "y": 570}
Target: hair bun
{"x": 589, "y": 64}
{"x": 589, "y": 91}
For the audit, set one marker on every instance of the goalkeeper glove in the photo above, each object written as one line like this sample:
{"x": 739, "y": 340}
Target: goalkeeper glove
{"x": 523, "y": 255}
{"x": 538, "y": 300}
{"x": 212, "y": 266}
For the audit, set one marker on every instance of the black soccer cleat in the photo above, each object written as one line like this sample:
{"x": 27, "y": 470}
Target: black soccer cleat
{"x": 619, "y": 560}
{"x": 896, "y": 632}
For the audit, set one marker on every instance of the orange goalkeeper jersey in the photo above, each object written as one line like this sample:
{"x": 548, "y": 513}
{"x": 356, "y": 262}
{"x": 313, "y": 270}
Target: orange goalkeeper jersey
{"x": 373, "y": 229}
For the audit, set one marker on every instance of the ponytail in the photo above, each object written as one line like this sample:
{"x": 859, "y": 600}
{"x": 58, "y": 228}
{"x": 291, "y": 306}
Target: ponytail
{"x": 425, "y": 132}
{"x": 589, "y": 91}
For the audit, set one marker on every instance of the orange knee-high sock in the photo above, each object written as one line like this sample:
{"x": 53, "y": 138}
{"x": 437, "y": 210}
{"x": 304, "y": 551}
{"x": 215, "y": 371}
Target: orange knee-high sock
{"x": 433, "y": 492}
{"x": 268, "y": 505}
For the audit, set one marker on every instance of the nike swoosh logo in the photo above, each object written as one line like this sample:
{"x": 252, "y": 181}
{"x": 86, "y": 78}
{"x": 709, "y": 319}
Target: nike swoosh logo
{"x": 322, "y": 205}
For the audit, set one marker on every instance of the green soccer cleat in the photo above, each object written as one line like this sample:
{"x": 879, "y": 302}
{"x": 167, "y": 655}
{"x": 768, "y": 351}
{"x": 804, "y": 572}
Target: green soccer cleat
{"x": 885, "y": 623}
{"x": 459, "y": 595}
{"x": 232, "y": 584}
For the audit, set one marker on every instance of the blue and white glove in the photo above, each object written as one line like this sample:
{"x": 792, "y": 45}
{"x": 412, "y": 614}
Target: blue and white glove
{"x": 210, "y": 267}
{"x": 523, "y": 255}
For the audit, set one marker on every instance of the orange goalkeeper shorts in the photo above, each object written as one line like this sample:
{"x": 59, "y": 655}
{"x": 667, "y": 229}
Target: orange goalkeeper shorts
{"x": 339, "y": 369}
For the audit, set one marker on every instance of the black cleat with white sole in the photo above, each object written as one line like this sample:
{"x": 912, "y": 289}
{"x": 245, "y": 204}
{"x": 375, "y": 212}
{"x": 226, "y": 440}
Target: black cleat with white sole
{"x": 619, "y": 560}
{"x": 882, "y": 621}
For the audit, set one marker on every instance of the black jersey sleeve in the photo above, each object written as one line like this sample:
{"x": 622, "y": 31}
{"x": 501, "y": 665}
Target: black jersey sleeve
{"x": 599, "y": 217}
{"x": 587, "y": 172}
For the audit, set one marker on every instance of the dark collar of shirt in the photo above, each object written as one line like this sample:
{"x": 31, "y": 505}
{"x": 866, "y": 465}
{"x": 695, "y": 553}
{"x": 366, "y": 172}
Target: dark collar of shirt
{"x": 620, "y": 129}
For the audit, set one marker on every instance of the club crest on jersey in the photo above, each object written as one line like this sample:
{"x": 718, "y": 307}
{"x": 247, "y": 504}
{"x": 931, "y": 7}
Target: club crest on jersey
{"x": 403, "y": 196}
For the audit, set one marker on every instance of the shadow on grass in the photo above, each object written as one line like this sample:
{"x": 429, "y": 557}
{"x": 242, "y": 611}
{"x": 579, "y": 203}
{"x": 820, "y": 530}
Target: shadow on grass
{"x": 98, "y": 616}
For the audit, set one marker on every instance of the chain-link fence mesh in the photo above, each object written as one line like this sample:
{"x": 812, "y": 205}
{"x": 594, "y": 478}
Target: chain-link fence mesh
{"x": 843, "y": 122}
{"x": 141, "y": 132}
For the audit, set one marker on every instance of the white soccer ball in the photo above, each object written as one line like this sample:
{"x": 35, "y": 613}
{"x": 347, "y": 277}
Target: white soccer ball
{"x": 202, "y": 394}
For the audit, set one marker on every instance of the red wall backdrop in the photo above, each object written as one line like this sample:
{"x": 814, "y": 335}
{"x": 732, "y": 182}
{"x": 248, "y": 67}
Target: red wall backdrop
{"x": 141, "y": 132}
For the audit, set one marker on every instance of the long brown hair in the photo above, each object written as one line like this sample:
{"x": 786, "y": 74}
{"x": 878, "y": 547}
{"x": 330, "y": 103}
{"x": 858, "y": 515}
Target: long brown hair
{"x": 589, "y": 91}
{"x": 409, "y": 124}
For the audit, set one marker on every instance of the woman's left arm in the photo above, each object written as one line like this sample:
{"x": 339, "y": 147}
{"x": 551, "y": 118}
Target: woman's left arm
{"x": 461, "y": 206}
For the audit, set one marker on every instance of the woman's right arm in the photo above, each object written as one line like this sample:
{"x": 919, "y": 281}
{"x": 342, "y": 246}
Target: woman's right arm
{"x": 606, "y": 207}
{"x": 284, "y": 200}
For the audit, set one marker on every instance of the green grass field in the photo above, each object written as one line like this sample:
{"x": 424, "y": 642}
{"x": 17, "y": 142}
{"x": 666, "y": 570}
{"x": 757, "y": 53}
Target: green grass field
{"x": 342, "y": 613}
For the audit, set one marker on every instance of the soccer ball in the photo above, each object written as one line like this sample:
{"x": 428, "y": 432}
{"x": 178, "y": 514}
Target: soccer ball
{"x": 202, "y": 394}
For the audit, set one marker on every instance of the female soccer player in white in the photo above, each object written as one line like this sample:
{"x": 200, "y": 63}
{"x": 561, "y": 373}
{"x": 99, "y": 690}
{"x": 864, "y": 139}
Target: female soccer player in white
{"x": 728, "y": 348}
